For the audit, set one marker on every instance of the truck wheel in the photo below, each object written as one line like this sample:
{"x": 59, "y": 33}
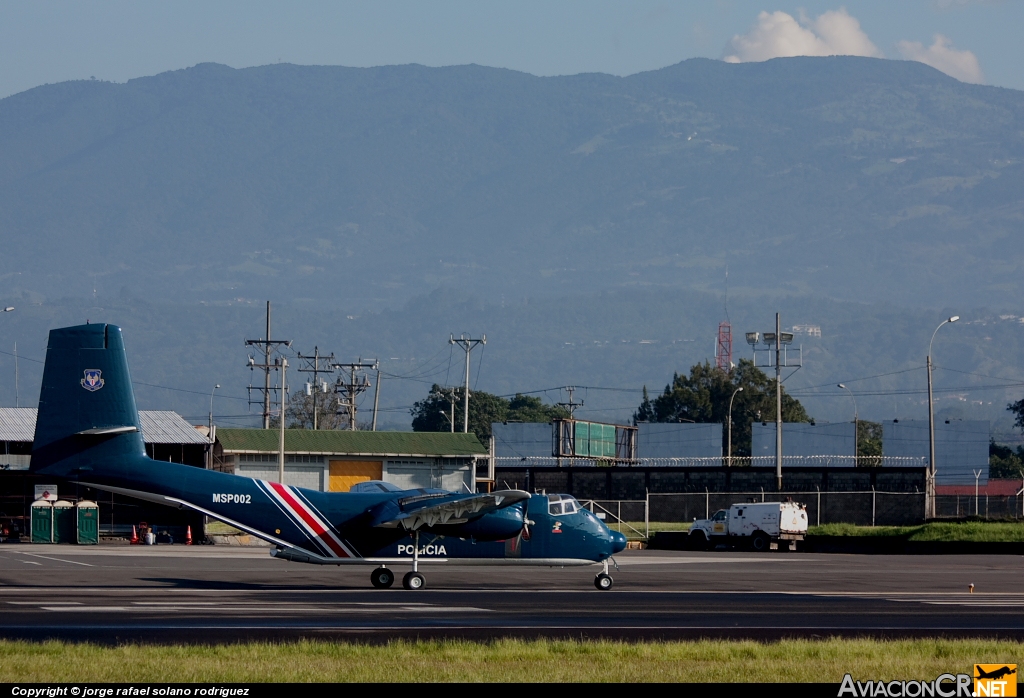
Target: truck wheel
{"x": 761, "y": 542}
{"x": 697, "y": 541}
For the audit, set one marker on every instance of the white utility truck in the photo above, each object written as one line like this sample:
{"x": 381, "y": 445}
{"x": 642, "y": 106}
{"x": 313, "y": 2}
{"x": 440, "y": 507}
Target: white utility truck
{"x": 761, "y": 525}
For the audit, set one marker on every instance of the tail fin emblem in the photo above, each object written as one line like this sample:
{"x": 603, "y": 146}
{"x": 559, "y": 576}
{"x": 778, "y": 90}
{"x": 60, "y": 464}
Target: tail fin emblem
{"x": 92, "y": 380}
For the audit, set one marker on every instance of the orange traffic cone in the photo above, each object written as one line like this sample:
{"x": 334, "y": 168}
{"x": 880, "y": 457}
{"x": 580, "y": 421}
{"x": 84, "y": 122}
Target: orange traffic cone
{"x": 135, "y": 537}
{"x": 188, "y": 536}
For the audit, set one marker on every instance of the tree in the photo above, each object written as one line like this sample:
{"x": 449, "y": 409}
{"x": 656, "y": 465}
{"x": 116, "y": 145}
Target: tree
{"x": 1004, "y": 463}
{"x": 1018, "y": 410}
{"x": 300, "y": 414}
{"x": 434, "y": 413}
{"x": 703, "y": 396}
{"x": 869, "y": 440}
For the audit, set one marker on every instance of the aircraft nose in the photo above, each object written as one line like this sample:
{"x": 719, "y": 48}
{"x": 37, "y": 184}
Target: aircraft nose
{"x": 618, "y": 542}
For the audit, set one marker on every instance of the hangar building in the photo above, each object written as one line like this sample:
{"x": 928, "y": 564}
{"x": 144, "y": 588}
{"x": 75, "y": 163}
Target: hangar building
{"x": 168, "y": 437}
{"x": 333, "y": 461}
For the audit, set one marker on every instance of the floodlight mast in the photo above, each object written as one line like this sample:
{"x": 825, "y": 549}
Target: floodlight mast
{"x": 777, "y": 340}
{"x": 778, "y": 403}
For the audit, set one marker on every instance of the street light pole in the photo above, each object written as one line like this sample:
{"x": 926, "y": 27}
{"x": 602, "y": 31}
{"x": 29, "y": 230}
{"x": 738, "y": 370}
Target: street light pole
{"x": 856, "y": 426}
{"x": 211, "y": 409}
{"x": 729, "y": 451}
{"x": 931, "y": 420}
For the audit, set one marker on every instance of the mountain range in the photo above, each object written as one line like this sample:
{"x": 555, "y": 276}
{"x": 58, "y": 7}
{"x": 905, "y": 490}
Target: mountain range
{"x": 589, "y": 224}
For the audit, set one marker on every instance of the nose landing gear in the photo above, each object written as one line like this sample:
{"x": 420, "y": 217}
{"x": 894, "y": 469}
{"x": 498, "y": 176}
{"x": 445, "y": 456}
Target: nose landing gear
{"x": 604, "y": 581}
{"x": 413, "y": 581}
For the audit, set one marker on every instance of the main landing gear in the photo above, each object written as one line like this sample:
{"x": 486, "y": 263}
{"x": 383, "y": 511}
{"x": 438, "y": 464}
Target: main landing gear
{"x": 383, "y": 578}
{"x": 604, "y": 581}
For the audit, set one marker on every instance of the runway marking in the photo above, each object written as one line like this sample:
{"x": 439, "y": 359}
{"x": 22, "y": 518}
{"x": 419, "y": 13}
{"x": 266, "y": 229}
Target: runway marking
{"x": 29, "y": 562}
{"x": 271, "y": 608}
{"x": 630, "y": 562}
{"x": 57, "y": 559}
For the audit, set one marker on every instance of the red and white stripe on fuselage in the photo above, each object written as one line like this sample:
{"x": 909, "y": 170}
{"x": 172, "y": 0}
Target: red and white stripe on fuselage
{"x": 306, "y": 518}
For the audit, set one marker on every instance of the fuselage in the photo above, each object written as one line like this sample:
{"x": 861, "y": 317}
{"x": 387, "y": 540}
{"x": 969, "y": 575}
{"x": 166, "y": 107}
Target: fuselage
{"x": 335, "y": 527}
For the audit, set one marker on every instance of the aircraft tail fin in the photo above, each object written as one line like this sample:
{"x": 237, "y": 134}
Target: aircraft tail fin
{"x": 87, "y": 414}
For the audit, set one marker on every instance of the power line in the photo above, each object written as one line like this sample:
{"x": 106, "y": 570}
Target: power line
{"x": 182, "y": 390}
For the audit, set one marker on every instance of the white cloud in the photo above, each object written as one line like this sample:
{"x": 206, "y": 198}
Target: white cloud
{"x": 962, "y": 65}
{"x": 778, "y": 34}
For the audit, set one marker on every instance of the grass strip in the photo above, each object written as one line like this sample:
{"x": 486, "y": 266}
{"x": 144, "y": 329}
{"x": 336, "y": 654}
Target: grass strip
{"x": 503, "y": 660}
{"x": 966, "y": 531}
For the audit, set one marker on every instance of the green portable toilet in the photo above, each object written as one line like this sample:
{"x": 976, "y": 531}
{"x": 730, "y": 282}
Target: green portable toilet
{"x": 42, "y": 521}
{"x": 64, "y": 523}
{"x": 88, "y": 523}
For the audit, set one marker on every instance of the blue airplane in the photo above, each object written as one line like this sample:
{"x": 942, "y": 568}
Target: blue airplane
{"x": 88, "y": 431}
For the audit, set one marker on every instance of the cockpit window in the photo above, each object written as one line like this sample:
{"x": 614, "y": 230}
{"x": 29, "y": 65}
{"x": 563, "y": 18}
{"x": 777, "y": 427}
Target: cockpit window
{"x": 559, "y": 505}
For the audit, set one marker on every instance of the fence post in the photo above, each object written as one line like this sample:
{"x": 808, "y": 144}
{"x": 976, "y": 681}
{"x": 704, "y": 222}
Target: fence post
{"x": 647, "y": 513}
{"x": 619, "y": 516}
{"x": 707, "y": 504}
{"x": 762, "y": 494}
{"x": 818, "y": 509}
{"x": 872, "y": 506}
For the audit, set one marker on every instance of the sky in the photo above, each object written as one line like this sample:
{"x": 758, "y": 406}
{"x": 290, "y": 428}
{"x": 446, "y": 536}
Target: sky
{"x": 45, "y": 42}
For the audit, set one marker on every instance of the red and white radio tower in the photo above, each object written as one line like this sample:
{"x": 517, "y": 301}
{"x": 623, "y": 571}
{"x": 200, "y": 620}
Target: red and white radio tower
{"x": 723, "y": 347}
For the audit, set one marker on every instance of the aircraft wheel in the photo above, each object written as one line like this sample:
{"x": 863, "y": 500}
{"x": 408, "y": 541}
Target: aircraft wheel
{"x": 761, "y": 542}
{"x": 382, "y": 578}
{"x": 603, "y": 581}
{"x": 413, "y": 581}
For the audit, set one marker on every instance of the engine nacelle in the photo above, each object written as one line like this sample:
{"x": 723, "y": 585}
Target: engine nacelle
{"x": 497, "y": 525}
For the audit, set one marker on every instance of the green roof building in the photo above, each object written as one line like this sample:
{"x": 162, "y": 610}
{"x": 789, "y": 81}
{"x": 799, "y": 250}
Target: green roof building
{"x": 336, "y": 460}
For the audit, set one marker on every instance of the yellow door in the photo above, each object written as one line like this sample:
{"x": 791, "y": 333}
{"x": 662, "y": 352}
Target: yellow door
{"x": 345, "y": 473}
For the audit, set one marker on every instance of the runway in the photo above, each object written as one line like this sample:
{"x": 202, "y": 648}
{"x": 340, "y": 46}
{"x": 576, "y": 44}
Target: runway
{"x": 213, "y": 594}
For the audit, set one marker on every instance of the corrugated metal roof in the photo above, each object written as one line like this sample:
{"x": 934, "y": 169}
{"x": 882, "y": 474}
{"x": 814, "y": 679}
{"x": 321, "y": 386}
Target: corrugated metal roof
{"x": 398, "y": 443}
{"x": 166, "y": 427}
{"x": 158, "y": 426}
{"x": 17, "y": 423}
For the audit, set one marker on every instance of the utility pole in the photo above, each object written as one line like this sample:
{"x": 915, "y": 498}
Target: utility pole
{"x": 316, "y": 365}
{"x": 571, "y": 406}
{"x": 284, "y": 392}
{"x": 267, "y": 347}
{"x": 353, "y": 388}
{"x": 376, "y": 400}
{"x": 467, "y": 345}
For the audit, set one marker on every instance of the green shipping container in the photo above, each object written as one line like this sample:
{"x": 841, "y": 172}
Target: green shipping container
{"x": 42, "y": 521}
{"x": 88, "y": 523}
{"x": 582, "y": 439}
{"x": 609, "y": 440}
{"x": 64, "y": 523}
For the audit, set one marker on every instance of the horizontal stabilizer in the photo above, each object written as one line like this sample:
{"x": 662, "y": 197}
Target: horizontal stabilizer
{"x": 106, "y": 431}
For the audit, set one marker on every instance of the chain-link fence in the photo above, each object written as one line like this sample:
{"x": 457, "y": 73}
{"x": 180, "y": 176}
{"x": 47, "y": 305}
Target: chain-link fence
{"x": 716, "y": 462}
{"x": 982, "y": 506}
{"x": 870, "y": 508}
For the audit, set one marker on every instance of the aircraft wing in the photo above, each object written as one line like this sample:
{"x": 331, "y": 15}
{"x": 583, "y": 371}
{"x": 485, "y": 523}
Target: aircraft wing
{"x": 414, "y": 512}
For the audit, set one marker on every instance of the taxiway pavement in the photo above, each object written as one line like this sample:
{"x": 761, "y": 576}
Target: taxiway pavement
{"x": 212, "y": 594}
